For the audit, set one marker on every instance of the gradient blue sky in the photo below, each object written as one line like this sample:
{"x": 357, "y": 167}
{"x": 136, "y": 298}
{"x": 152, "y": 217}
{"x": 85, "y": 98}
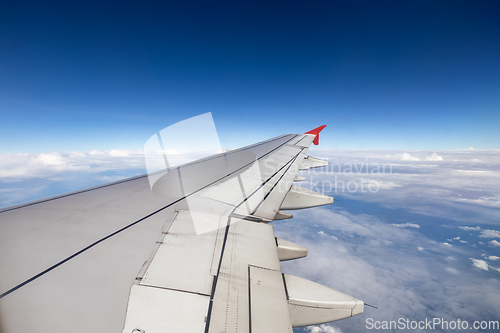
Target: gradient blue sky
{"x": 381, "y": 74}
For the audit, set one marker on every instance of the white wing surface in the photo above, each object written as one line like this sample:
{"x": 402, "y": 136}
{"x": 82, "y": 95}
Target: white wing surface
{"x": 196, "y": 253}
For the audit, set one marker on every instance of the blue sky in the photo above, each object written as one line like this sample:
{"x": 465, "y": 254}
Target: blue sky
{"x": 381, "y": 74}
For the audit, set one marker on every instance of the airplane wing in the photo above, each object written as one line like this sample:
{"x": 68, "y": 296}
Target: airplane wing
{"x": 193, "y": 252}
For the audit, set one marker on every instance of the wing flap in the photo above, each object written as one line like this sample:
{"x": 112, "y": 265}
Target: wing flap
{"x": 157, "y": 310}
{"x": 301, "y": 198}
{"x": 247, "y": 244}
{"x": 267, "y": 295}
{"x": 312, "y": 162}
{"x": 184, "y": 259}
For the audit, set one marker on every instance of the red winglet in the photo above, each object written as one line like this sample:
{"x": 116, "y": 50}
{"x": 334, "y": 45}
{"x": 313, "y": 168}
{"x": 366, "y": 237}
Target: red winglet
{"x": 316, "y": 132}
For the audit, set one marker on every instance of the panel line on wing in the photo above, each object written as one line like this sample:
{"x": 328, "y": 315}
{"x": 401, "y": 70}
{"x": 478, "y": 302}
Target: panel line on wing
{"x": 266, "y": 181}
{"x": 174, "y": 289}
{"x": 249, "y": 301}
{"x": 284, "y": 173}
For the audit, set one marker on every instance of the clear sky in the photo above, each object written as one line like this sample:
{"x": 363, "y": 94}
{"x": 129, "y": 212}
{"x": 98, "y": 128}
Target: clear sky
{"x": 381, "y": 74}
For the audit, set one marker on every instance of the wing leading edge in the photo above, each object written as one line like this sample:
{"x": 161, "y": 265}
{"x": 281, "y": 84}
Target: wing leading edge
{"x": 198, "y": 253}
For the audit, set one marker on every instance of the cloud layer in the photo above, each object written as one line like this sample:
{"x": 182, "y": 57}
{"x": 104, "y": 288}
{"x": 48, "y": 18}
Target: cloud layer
{"x": 26, "y": 177}
{"x": 424, "y": 244}
{"x": 461, "y": 185}
{"x": 416, "y": 234}
{"x": 402, "y": 271}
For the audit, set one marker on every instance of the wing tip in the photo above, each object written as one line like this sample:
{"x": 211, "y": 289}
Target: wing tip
{"x": 316, "y": 133}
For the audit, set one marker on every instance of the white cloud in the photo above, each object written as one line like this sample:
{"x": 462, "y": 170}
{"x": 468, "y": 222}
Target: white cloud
{"x": 494, "y": 243}
{"x": 420, "y": 248}
{"x": 407, "y": 225}
{"x": 381, "y": 185}
{"x": 434, "y": 157}
{"x": 493, "y": 257}
{"x": 323, "y": 328}
{"x": 51, "y": 159}
{"x": 447, "y": 244}
{"x": 451, "y": 270}
{"x": 456, "y": 238}
{"x": 322, "y": 233}
{"x": 490, "y": 233}
{"x": 470, "y": 228}
{"x": 490, "y": 201}
{"x": 481, "y": 264}
{"x": 23, "y": 166}
{"x": 118, "y": 152}
{"x": 39, "y": 175}
{"x": 408, "y": 157}
{"x": 462, "y": 241}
